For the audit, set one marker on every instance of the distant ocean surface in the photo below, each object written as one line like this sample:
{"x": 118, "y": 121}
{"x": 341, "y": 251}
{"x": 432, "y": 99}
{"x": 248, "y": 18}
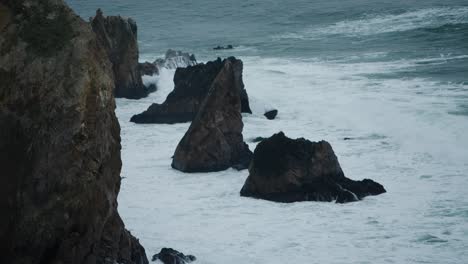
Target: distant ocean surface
{"x": 392, "y": 75}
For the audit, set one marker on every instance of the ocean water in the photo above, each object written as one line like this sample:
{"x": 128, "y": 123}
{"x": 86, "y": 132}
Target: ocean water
{"x": 393, "y": 75}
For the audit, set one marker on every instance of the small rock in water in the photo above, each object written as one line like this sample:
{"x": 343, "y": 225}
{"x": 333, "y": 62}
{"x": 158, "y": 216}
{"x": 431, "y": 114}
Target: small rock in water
{"x": 171, "y": 256}
{"x": 292, "y": 170}
{"x": 223, "y": 47}
{"x": 270, "y": 115}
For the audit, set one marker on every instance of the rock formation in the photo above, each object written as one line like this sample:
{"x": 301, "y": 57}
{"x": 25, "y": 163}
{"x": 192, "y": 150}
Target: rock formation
{"x": 270, "y": 115}
{"x": 119, "y": 37}
{"x": 228, "y": 47}
{"x": 191, "y": 87}
{"x": 172, "y": 60}
{"x": 214, "y": 140}
{"x": 59, "y": 142}
{"x": 287, "y": 170}
{"x": 171, "y": 256}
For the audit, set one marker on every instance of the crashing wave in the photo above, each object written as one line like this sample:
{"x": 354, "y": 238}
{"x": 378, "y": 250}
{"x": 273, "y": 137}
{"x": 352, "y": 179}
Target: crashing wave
{"x": 176, "y": 59}
{"x": 173, "y": 59}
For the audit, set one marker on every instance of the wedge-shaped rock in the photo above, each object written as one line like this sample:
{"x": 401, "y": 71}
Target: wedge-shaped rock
{"x": 287, "y": 170}
{"x": 214, "y": 140}
{"x": 119, "y": 37}
{"x": 191, "y": 87}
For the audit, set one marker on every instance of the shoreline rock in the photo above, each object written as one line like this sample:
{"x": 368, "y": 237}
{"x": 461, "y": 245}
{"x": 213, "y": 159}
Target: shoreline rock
{"x": 291, "y": 170}
{"x": 119, "y": 37}
{"x": 59, "y": 142}
{"x": 214, "y": 140}
{"x": 191, "y": 86}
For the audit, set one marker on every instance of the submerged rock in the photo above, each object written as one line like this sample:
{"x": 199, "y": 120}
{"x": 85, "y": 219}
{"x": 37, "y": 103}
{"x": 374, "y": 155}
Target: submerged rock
{"x": 214, "y": 140}
{"x": 119, "y": 37}
{"x": 288, "y": 170}
{"x": 59, "y": 142}
{"x": 171, "y": 256}
{"x": 191, "y": 88}
{"x": 271, "y": 114}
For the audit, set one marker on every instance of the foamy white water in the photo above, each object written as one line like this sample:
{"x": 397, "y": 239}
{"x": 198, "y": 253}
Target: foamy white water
{"x": 405, "y": 139}
{"x": 377, "y": 24}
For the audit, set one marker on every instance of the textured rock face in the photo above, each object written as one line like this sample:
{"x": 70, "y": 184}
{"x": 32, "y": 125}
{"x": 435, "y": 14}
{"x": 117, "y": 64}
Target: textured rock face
{"x": 191, "y": 87}
{"x": 287, "y": 170}
{"x": 214, "y": 140}
{"x": 59, "y": 141}
{"x": 119, "y": 37}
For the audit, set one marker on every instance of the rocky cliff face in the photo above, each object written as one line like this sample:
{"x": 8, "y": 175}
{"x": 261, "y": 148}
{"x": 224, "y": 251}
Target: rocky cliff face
{"x": 119, "y": 37}
{"x": 59, "y": 141}
{"x": 191, "y": 85}
{"x": 214, "y": 140}
{"x": 291, "y": 170}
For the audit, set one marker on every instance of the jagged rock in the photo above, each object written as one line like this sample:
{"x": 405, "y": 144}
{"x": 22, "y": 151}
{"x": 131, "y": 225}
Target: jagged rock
{"x": 287, "y": 170}
{"x": 59, "y": 142}
{"x": 171, "y": 256}
{"x": 214, "y": 140}
{"x": 119, "y": 37}
{"x": 223, "y": 48}
{"x": 271, "y": 114}
{"x": 191, "y": 87}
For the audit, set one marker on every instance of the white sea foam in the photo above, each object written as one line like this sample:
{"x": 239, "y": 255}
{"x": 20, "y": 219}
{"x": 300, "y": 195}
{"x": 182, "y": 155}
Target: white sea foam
{"x": 405, "y": 139}
{"x": 372, "y": 24}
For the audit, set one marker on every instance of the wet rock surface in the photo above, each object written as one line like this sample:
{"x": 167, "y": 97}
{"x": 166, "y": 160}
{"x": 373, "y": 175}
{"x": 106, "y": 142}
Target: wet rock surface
{"x": 214, "y": 140}
{"x": 59, "y": 141}
{"x": 290, "y": 170}
{"x": 191, "y": 86}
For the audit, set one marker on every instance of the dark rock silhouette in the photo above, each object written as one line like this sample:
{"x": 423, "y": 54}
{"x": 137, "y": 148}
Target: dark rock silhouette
{"x": 214, "y": 140}
{"x": 191, "y": 87}
{"x": 290, "y": 170}
{"x": 223, "y": 47}
{"x": 271, "y": 114}
{"x": 257, "y": 139}
{"x": 59, "y": 142}
{"x": 119, "y": 37}
{"x": 171, "y": 256}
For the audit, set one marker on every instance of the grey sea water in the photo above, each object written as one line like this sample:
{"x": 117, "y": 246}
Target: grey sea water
{"x": 392, "y": 75}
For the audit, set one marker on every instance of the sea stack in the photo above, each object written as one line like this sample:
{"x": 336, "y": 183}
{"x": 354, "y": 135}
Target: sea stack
{"x": 118, "y": 36}
{"x": 59, "y": 141}
{"x": 291, "y": 170}
{"x": 191, "y": 86}
{"x": 214, "y": 140}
